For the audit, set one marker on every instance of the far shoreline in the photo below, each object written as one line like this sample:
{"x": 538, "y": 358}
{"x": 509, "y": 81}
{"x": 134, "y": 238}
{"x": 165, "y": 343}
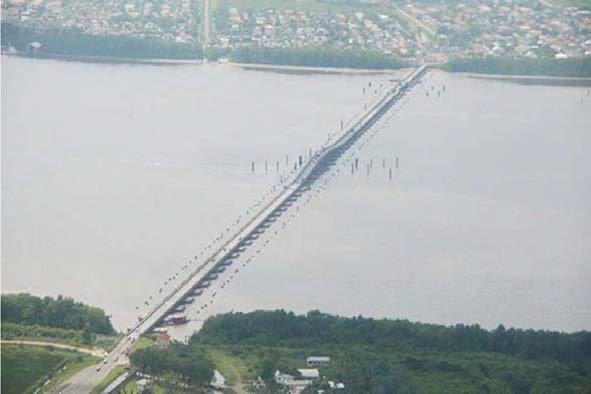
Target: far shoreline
{"x": 107, "y": 59}
{"x": 176, "y": 62}
{"x": 549, "y": 80}
{"x": 315, "y": 70}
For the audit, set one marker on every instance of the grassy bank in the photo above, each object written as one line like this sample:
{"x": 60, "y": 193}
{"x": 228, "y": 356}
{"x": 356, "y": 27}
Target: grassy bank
{"x": 24, "y": 332}
{"x": 24, "y": 368}
{"x": 112, "y": 375}
{"x": 580, "y": 68}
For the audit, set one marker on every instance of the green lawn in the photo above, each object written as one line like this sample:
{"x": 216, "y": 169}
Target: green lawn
{"x": 143, "y": 342}
{"x": 130, "y": 388}
{"x": 26, "y": 367}
{"x": 107, "y": 342}
{"x": 233, "y": 368}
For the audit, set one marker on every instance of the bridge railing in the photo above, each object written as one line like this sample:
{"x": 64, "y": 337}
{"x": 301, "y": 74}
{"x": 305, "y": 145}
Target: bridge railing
{"x": 224, "y": 251}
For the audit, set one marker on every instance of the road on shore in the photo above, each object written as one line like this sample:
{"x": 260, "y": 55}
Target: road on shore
{"x": 93, "y": 352}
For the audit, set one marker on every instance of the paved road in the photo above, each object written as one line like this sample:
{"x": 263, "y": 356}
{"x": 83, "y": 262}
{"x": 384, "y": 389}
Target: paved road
{"x": 413, "y": 19}
{"x": 85, "y": 380}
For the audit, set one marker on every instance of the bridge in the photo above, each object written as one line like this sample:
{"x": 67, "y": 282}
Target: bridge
{"x": 316, "y": 165}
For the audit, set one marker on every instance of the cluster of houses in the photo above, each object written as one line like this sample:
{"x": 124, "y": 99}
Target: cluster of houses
{"x": 306, "y": 377}
{"x": 508, "y": 27}
{"x": 172, "y": 20}
{"x": 290, "y": 28}
{"x": 434, "y": 31}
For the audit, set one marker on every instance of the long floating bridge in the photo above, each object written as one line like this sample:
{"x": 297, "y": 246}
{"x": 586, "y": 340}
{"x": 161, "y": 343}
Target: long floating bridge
{"x": 317, "y": 164}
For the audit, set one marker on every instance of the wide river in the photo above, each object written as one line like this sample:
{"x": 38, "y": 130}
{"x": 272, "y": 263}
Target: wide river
{"x": 114, "y": 176}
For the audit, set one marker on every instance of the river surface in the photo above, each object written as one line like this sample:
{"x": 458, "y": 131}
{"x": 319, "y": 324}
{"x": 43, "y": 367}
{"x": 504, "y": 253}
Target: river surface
{"x": 113, "y": 176}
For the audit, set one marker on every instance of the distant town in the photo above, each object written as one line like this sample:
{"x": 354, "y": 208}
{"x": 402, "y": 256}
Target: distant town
{"x": 423, "y": 31}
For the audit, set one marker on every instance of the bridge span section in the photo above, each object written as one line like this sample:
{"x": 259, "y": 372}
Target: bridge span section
{"x": 197, "y": 280}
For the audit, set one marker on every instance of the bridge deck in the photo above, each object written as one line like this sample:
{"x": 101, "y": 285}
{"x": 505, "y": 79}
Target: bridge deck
{"x": 318, "y": 163}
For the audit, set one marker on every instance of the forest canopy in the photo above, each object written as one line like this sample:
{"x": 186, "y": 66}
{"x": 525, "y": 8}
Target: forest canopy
{"x": 316, "y": 329}
{"x": 61, "y": 312}
{"x": 522, "y": 66}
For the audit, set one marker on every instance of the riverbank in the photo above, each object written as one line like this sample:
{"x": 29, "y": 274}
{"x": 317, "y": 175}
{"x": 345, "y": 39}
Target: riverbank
{"x": 301, "y": 70}
{"x": 533, "y": 79}
{"x": 108, "y": 59}
{"x": 308, "y": 70}
{"x": 314, "y": 70}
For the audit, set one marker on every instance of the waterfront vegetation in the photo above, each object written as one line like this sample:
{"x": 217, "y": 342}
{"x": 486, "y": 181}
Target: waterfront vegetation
{"x": 379, "y": 356}
{"x": 24, "y": 367}
{"x": 316, "y": 57}
{"x": 73, "y": 43}
{"x": 60, "y": 320}
{"x": 60, "y": 313}
{"x": 14, "y": 331}
{"x": 177, "y": 365}
{"x": 79, "y": 45}
{"x": 580, "y": 67}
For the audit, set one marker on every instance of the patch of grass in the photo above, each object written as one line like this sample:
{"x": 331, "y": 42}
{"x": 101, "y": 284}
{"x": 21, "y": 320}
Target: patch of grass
{"x": 131, "y": 387}
{"x": 143, "y": 342}
{"x": 26, "y": 367}
{"x": 115, "y": 372}
{"x": 26, "y": 332}
{"x": 233, "y": 368}
{"x": 107, "y": 342}
{"x": 158, "y": 389}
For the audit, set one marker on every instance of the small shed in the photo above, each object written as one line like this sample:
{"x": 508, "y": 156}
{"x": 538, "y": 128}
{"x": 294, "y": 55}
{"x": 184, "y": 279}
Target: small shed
{"x": 34, "y": 48}
{"x": 309, "y": 373}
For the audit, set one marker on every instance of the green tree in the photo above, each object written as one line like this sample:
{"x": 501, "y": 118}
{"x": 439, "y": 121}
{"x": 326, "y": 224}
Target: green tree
{"x": 87, "y": 334}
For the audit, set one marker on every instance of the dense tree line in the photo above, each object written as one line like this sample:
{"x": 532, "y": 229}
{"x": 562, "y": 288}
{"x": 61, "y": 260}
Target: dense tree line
{"x": 522, "y": 66}
{"x": 60, "y": 312}
{"x": 189, "y": 365}
{"x": 316, "y": 57}
{"x": 71, "y": 42}
{"x": 397, "y": 356}
{"x": 316, "y": 329}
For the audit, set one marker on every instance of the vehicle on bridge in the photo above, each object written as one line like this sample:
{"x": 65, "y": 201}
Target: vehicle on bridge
{"x": 176, "y": 319}
{"x": 204, "y": 285}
